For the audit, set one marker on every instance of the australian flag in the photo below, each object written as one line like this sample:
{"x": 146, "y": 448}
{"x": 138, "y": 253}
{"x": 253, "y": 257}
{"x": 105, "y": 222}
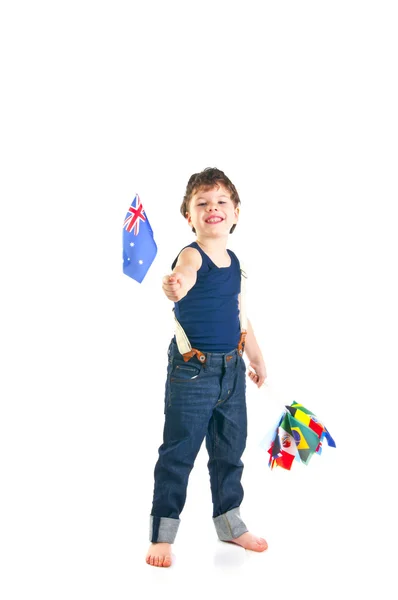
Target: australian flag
{"x": 139, "y": 247}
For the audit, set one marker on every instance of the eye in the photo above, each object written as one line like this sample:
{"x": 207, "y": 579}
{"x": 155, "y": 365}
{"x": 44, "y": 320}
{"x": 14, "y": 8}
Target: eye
{"x": 202, "y": 204}
{"x": 221, "y": 202}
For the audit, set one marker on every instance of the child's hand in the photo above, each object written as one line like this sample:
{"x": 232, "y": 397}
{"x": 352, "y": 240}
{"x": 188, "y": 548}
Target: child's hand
{"x": 258, "y": 374}
{"x": 173, "y": 286}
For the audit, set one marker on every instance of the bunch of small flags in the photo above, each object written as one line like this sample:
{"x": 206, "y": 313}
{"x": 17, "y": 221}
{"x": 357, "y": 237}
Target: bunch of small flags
{"x": 299, "y": 435}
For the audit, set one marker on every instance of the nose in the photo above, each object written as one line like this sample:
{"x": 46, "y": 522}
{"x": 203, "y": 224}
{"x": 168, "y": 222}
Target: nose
{"x": 211, "y": 207}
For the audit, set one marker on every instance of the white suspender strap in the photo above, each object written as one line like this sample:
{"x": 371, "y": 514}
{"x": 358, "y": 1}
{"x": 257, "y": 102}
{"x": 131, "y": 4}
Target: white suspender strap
{"x": 242, "y": 312}
{"x": 183, "y": 343}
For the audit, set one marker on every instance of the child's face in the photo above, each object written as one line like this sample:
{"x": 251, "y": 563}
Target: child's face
{"x": 212, "y": 212}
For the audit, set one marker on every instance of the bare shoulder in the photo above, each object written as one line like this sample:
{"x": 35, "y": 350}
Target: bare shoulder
{"x": 190, "y": 257}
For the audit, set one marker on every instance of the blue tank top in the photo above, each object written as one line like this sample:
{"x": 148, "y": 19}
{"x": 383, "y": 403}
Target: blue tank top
{"x": 209, "y": 313}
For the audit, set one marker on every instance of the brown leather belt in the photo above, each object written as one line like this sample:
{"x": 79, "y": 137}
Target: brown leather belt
{"x": 202, "y": 357}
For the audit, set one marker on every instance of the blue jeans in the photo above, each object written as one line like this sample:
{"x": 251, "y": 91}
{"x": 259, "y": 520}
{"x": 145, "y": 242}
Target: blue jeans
{"x": 201, "y": 401}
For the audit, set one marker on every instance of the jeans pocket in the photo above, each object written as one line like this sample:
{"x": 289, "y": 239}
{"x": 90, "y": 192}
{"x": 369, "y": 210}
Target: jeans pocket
{"x": 182, "y": 372}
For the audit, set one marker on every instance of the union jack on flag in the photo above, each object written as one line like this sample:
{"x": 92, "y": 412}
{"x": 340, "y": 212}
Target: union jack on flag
{"x": 139, "y": 247}
{"x": 134, "y": 215}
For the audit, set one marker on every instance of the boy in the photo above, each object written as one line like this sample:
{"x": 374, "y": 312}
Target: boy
{"x": 206, "y": 385}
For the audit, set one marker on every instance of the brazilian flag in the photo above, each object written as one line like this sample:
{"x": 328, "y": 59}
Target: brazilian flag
{"x": 307, "y": 441}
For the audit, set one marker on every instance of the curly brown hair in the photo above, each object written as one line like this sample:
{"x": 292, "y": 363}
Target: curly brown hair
{"x": 206, "y": 180}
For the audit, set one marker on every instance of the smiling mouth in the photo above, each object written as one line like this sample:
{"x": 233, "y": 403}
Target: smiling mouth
{"x": 214, "y": 220}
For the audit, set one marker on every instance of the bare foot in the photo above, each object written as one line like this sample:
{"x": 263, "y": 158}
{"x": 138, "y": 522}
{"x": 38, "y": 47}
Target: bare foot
{"x": 159, "y": 555}
{"x": 251, "y": 542}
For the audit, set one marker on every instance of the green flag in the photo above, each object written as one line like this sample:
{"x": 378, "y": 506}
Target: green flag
{"x": 306, "y": 439}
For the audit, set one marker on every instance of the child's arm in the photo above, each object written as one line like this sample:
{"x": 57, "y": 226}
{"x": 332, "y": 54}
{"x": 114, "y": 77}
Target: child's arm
{"x": 259, "y": 373}
{"x": 183, "y": 277}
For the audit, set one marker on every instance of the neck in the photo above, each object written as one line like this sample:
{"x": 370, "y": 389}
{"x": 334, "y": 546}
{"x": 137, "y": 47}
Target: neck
{"x": 216, "y": 245}
{"x": 216, "y": 249}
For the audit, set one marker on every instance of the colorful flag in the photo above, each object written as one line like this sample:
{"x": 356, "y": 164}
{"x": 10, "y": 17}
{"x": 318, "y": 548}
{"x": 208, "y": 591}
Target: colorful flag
{"x": 283, "y": 449}
{"x": 299, "y": 435}
{"x": 307, "y": 441}
{"x": 308, "y": 418}
{"x": 139, "y": 247}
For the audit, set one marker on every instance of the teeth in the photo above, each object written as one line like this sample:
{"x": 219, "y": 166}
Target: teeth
{"x": 213, "y": 220}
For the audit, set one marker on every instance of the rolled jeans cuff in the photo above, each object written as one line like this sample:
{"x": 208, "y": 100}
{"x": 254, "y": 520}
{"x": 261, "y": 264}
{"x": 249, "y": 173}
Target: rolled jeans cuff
{"x": 229, "y": 525}
{"x": 163, "y": 529}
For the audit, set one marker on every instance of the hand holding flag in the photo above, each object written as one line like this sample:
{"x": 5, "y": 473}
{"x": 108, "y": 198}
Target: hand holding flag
{"x": 139, "y": 247}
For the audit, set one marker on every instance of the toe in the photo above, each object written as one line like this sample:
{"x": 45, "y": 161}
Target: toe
{"x": 167, "y": 561}
{"x": 262, "y": 543}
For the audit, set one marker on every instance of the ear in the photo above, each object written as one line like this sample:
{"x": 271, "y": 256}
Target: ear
{"x": 188, "y": 218}
{"x": 236, "y": 214}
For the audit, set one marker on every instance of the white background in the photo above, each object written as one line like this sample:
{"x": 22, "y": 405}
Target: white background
{"x": 296, "y": 102}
